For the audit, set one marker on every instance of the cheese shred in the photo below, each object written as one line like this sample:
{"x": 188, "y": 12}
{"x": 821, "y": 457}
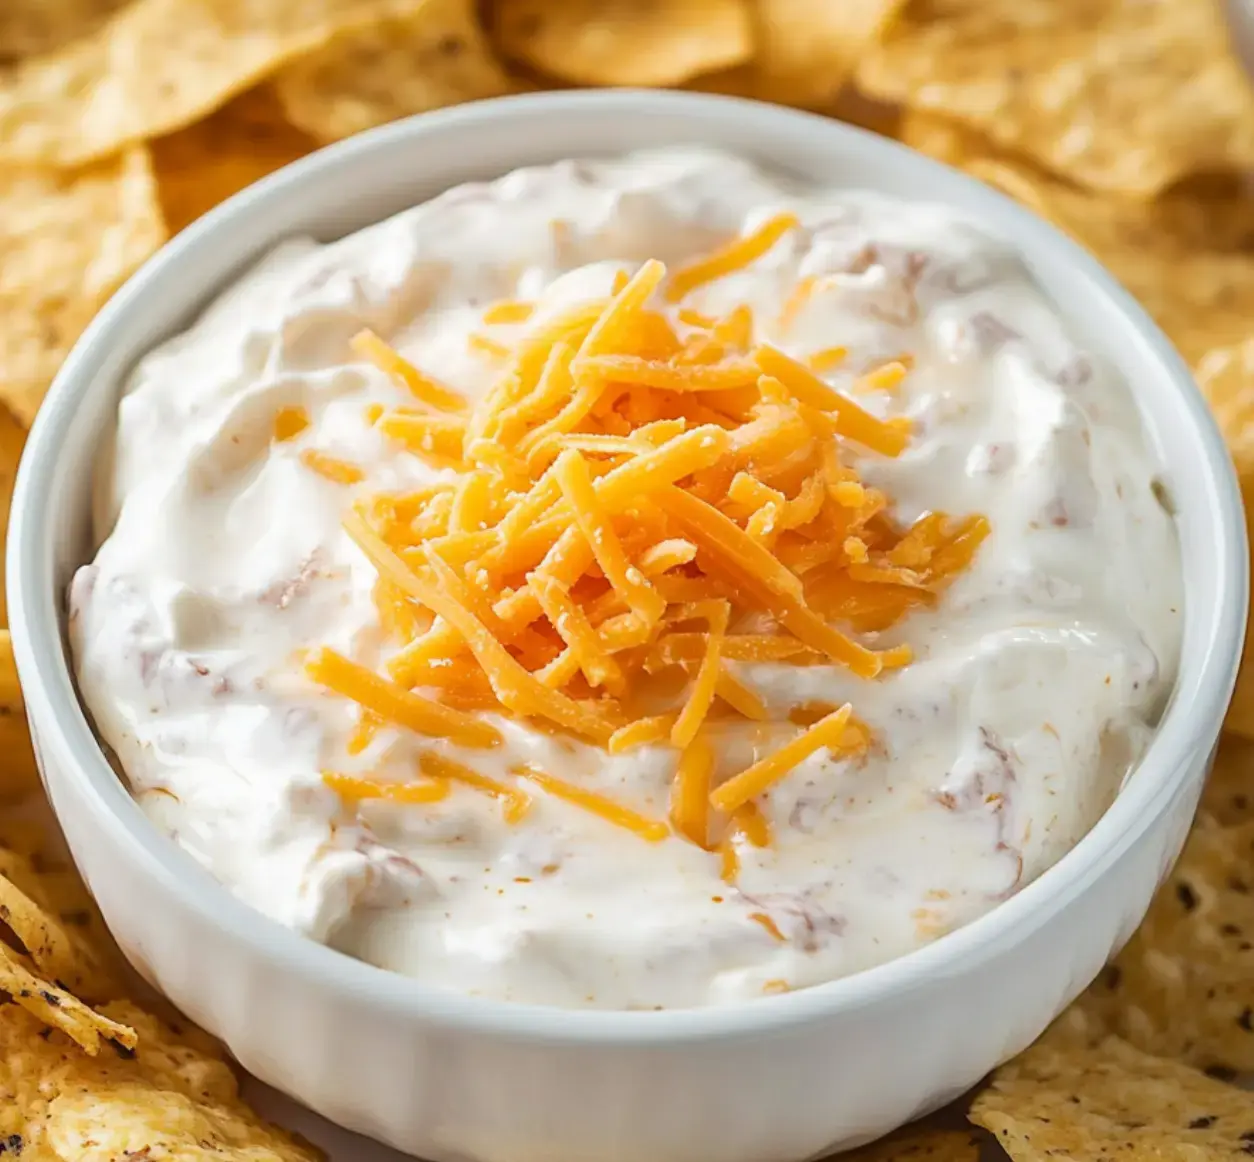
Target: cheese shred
{"x": 643, "y": 499}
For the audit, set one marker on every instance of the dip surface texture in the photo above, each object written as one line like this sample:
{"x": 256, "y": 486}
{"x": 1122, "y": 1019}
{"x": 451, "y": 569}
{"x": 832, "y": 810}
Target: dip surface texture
{"x": 1036, "y": 679}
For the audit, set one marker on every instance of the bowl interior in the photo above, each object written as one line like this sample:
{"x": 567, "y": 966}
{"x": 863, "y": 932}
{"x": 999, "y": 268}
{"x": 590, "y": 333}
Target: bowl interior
{"x": 362, "y": 180}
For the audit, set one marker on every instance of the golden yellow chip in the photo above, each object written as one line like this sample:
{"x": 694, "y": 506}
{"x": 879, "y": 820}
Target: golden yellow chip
{"x": 168, "y": 1099}
{"x": 57, "y": 1008}
{"x": 66, "y": 242}
{"x": 808, "y": 49}
{"x": 620, "y": 42}
{"x": 1229, "y": 793}
{"x": 12, "y": 440}
{"x": 1185, "y": 256}
{"x": 1112, "y": 1101}
{"x": 157, "y": 65}
{"x": 205, "y": 163}
{"x": 34, "y": 26}
{"x": 1184, "y": 985}
{"x": 1122, "y": 97}
{"x": 437, "y": 57}
{"x": 1226, "y": 377}
{"x": 18, "y": 773}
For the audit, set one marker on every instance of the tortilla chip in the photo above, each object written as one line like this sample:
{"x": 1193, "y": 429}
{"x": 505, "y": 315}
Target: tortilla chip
{"x": 808, "y": 49}
{"x": 43, "y": 939}
{"x": 620, "y": 42}
{"x": 1185, "y": 256}
{"x": 439, "y": 56}
{"x": 915, "y": 1144}
{"x": 1226, "y": 377}
{"x": 156, "y": 66}
{"x": 18, "y": 773}
{"x": 206, "y": 163}
{"x": 1112, "y": 1102}
{"x": 166, "y": 1100}
{"x": 1229, "y": 793}
{"x": 12, "y": 441}
{"x": 1184, "y": 986}
{"x": 56, "y": 1008}
{"x": 67, "y": 241}
{"x": 34, "y": 26}
{"x": 1122, "y": 97}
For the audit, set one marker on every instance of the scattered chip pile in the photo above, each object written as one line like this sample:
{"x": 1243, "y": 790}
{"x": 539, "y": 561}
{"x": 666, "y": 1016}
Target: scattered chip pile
{"x": 1128, "y": 125}
{"x": 643, "y": 495}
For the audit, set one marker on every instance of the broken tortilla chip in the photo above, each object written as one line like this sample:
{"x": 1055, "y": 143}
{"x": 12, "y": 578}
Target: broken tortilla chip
{"x": 166, "y": 1099}
{"x": 618, "y": 42}
{"x": 1122, "y": 97}
{"x": 1111, "y": 1101}
{"x": 1184, "y": 985}
{"x": 157, "y": 65}
{"x": 55, "y": 1007}
{"x": 202, "y": 165}
{"x": 437, "y": 56}
{"x": 67, "y": 241}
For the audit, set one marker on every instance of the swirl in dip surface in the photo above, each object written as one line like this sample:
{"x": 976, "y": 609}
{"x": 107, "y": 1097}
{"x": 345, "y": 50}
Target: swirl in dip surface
{"x": 1038, "y": 670}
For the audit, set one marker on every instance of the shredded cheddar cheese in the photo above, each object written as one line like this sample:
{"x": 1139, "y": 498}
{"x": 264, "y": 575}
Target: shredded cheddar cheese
{"x": 337, "y": 471}
{"x": 370, "y": 347}
{"x": 446, "y": 770}
{"x": 651, "y": 829}
{"x": 353, "y": 788}
{"x": 690, "y": 796}
{"x": 733, "y": 257}
{"x": 762, "y": 775}
{"x": 289, "y": 422}
{"x": 644, "y": 498}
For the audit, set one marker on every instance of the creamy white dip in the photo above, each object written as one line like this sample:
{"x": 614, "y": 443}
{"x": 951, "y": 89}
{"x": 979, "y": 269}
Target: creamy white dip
{"x": 1036, "y": 681}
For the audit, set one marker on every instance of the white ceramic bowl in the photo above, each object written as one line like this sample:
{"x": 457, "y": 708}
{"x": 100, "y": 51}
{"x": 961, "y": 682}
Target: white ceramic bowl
{"x": 451, "y": 1077}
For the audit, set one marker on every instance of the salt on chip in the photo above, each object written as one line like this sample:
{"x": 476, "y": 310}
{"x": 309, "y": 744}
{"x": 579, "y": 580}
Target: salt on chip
{"x": 624, "y": 42}
{"x": 1185, "y": 256}
{"x": 1121, "y": 97}
{"x": 156, "y": 66}
{"x": 167, "y": 1099}
{"x": 1112, "y": 1101}
{"x": 67, "y": 241}
{"x": 204, "y": 164}
{"x": 436, "y": 57}
{"x": 1184, "y": 985}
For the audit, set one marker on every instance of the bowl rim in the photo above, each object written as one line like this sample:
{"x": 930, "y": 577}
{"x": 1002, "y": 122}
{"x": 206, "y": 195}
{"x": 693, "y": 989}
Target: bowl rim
{"x": 1190, "y": 725}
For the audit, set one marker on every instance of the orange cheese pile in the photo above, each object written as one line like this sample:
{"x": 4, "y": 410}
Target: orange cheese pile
{"x": 641, "y": 499}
